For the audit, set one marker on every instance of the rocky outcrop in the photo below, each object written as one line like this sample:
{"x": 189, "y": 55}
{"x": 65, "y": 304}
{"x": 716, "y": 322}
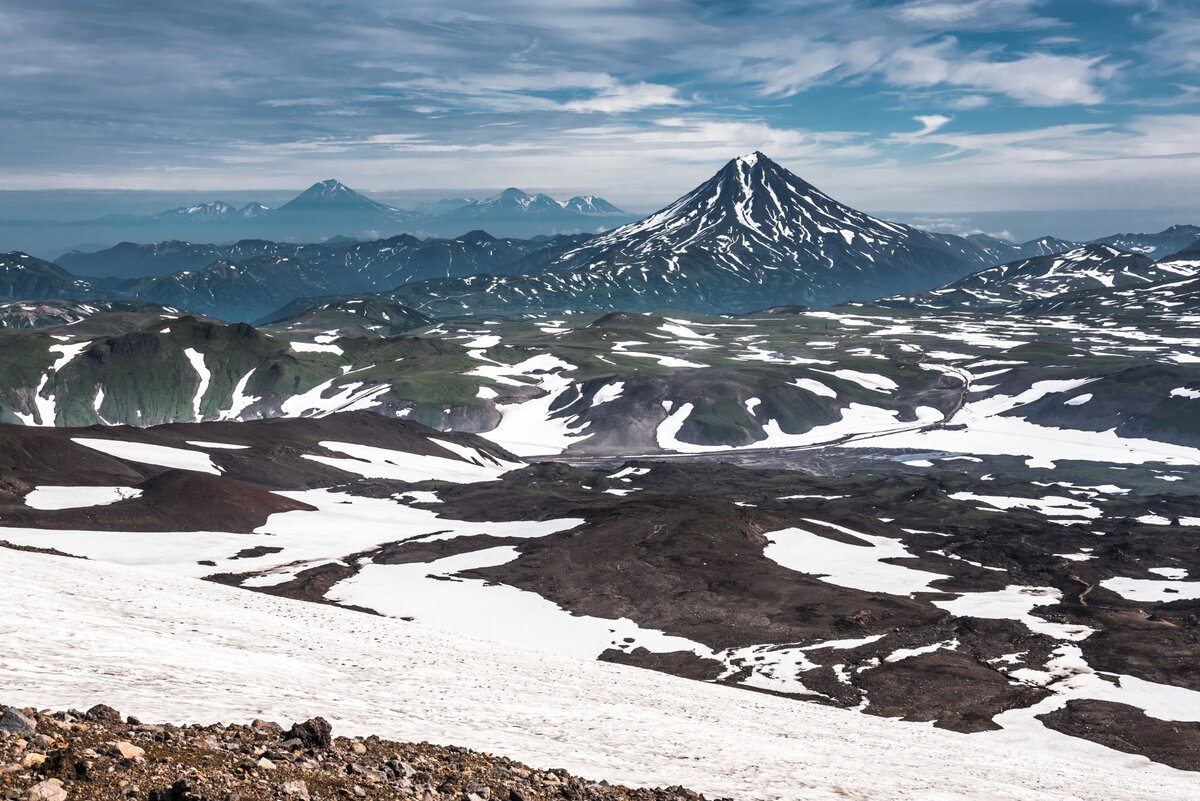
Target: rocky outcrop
{"x": 96, "y": 756}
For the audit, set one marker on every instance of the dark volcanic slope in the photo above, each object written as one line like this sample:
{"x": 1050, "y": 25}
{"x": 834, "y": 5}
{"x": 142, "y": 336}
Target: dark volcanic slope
{"x": 752, "y": 236}
{"x": 177, "y": 500}
{"x": 264, "y": 453}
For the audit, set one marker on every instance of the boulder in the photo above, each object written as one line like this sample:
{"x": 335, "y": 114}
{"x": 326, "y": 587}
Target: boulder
{"x": 49, "y": 790}
{"x": 313, "y": 733}
{"x": 16, "y": 723}
{"x": 261, "y": 726}
{"x": 103, "y": 714}
{"x": 128, "y": 750}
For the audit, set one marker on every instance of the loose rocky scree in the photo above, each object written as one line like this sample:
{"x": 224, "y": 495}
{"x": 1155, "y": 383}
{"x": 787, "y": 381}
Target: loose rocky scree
{"x": 55, "y": 756}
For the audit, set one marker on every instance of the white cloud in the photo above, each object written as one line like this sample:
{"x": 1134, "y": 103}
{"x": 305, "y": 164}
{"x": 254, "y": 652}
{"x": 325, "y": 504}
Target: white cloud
{"x": 1176, "y": 45}
{"x": 945, "y": 16}
{"x": 968, "y": 102}
{"x": 529, "y": 89}
{"x": 930, "y": 123}
{"x": 634, "y": 97}
{"x": 1037, "y": 79}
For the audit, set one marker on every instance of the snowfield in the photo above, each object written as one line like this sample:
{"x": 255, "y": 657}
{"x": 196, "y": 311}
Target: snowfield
{"x": 171, "y": 648}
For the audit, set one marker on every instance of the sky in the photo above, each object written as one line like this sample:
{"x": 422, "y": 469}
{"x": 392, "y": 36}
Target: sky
{"x": 918, "y": 106}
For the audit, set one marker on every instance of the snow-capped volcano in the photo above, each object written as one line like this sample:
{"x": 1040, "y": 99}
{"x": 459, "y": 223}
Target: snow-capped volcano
{"x": 333, "y": 196}
{"x": 754, "y": 235}
{"x": 755, "y": 209}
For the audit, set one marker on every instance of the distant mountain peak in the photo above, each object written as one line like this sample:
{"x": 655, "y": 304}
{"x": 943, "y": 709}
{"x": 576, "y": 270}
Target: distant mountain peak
{"x": 330, "y": 188}
{"x": 198, "y": 212}
{"x": 477, "y": 236}
{"x": 514, "y": 202}
{"x": 590, "y": 204}
{"x": 331, "y": 195}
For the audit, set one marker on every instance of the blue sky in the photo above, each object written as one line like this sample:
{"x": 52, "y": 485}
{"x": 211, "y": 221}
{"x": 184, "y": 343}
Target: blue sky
{"x": 922, "y": 105}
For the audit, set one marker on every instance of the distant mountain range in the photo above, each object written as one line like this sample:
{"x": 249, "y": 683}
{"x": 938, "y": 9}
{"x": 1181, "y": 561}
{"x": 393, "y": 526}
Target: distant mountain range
{"x": 210, "y": 212}
{"x": 1000, "y": 250}
{"x": 328, "y": 209}
{"x": 254, "y": 277}
{"x": 753, "y": 236}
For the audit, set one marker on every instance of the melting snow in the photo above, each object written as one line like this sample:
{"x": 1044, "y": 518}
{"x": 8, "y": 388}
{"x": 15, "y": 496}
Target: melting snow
{"x": 315, "y": 347}
{"x": 872, "y": 381}
{"x": 161, "y": 455}
{"x": 1153, "y": 590}
{"x": 197, "y": 360}
{"x": 859, "y": 567}
{"x": 815, "y": 387}
{"x": 1050, "y": 505}
{"x": 199, "y": 443}
{"x": 1015, "y": 603}
{"x": 77, "y": 497}
{"x": 239, "y": 401}
{"x": 608, "y": 392}
{"x": 432, "y": 594}
{"x": 371, "y": 462}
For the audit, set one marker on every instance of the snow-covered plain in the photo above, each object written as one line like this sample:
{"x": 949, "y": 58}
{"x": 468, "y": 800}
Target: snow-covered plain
{"x": 167, "y": 648}
{"x": 432, "y": 593}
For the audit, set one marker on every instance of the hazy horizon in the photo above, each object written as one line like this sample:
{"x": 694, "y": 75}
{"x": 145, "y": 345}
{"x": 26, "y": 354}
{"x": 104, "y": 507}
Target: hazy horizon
{"x": 1018, "y": 225}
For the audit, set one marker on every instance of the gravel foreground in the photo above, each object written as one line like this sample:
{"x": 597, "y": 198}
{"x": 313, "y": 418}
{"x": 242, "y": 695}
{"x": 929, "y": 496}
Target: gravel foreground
{"x": 54, "y": 756}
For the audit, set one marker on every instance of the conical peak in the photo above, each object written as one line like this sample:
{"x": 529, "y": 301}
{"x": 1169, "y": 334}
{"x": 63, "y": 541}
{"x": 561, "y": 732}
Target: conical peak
{"x": 758, "y": 166}
{"x": 741, "y": 177}
{"x": 332, "y": 195}
{"x": 328, "y": 188}
{"x": 752, "y": 159}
